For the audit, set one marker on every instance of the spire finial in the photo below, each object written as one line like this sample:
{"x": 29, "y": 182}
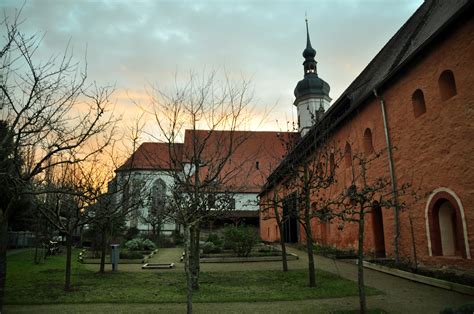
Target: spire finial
{"x": 309, "y": 53}
{"x": 308, "y": 41}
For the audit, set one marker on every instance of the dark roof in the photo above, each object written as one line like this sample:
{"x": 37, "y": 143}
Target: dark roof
{"x": 431, "y": 18}
{"x": 311, "y": 85}
{"x": 152, "y": 156}
{"x": 266, "y": 148}
{"x": 262, "y": 150}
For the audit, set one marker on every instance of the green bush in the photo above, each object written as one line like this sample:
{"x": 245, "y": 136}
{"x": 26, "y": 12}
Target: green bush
{"x": 240, "y": 239}
{"x": 209, "y": 248}
{"x": 132, "y": 233}
{"x": 139, "y": 244}
{"x": 214, "y": 238}
{"x": 130, "y": 255}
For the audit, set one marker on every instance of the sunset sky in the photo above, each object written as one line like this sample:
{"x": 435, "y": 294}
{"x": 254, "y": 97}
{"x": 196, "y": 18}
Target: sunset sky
{"x": 133, "y": 44}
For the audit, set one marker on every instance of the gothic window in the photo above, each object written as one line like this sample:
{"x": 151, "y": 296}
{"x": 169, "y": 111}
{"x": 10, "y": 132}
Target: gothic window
{"x": 348, "y": 155}
{"x": 368, "y": 143}
{"x": 447, "y": 85}
{"x": 158, "y": 196}
{"x": 232, "y": 203}
{"x": 418, "y": 101}
{"x": 211, "y": 200}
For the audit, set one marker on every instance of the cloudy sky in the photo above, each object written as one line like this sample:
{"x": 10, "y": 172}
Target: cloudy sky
{"x": 133, "y": 43}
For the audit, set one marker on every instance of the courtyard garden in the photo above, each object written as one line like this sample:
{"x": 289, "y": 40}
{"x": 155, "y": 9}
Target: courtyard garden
{"x": 29, "y": 283}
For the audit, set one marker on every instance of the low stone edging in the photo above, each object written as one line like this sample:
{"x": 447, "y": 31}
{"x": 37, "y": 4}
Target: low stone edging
{"x": 289, "y": 257}
{"x": 423, "y": 279}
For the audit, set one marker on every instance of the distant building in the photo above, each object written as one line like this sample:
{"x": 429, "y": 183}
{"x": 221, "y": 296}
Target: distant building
{"x": 148, "y": 174}
{"x": 416, "y": 96}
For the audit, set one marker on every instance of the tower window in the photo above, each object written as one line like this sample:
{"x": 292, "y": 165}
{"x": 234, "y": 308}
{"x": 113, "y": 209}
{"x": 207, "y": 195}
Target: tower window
{"x": 368, "y": 143}
{"x": 447, "y": 85}
{"x": 348, "y": 155}
{"x": 418, "y": 100}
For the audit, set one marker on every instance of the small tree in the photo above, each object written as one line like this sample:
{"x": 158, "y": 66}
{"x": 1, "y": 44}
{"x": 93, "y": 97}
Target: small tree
{"x": 202, "y": 168}
{"x": 356, "y": 201}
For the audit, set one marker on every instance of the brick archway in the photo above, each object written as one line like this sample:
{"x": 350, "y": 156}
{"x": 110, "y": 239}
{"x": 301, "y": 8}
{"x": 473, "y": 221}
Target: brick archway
{"x": 435, "y": 201}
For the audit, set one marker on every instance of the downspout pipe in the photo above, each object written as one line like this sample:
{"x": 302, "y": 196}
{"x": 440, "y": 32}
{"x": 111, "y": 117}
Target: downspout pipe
{"x": 393, "y": 178}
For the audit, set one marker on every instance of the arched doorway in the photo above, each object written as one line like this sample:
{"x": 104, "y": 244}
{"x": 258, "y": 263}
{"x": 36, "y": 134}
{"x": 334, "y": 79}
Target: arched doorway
{"x": 446, "y": 225}
{"x": 377, "y": 227}
{"x": 446, "y": 216}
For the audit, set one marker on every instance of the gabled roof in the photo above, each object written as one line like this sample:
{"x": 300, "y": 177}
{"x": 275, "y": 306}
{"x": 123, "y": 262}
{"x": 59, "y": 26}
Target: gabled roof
{"x": 152, "y": 156}
{"x": 254, "y": 155}
{"x": 421, "y": 29}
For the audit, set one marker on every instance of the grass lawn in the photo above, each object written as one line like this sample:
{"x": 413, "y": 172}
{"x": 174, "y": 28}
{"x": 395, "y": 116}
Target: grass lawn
{"x": 28, "y": 283}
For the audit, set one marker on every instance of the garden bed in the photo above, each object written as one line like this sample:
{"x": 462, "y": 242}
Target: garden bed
{"x": 332, "y": 252}
{"x": 158, "y": 266}
{"x": 232, "y": 258}
{"x": 423, "y": 276}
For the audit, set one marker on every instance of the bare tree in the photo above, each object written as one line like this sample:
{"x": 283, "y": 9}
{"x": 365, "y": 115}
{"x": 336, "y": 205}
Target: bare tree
{"x": 364, "y": 194}
{"x": 203, "y": 172}
{"x": 44, "y": 127}
{"x": 307, "y": 180}
{"x": 271, "y": 208}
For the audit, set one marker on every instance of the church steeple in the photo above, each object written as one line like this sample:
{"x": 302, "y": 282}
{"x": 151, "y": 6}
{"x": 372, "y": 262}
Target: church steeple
{"x": 312, "y": 93}
{"x": 309, "y": 53}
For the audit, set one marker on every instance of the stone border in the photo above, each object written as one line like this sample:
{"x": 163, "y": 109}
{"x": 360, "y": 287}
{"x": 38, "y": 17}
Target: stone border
{"x": 289, "y": 257}
{"x": 158, "y": 266}
{"x": 423, "y": 279}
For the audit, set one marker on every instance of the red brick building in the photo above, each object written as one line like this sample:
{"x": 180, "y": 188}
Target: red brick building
{"x": 417, "y": 97}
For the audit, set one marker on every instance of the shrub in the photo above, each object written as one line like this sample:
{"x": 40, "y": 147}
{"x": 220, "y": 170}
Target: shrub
{"x": 214, "y": 238}
{"x": 139, "y": 244}
{"x": 240, "y": 239}
{"x": 209, "y": 248}
{"x": 132, "y": 233}
{"x": 130, "y": 254}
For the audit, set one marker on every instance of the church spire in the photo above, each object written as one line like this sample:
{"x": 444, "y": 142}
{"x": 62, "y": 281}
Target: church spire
{"x": 309, "y": 53}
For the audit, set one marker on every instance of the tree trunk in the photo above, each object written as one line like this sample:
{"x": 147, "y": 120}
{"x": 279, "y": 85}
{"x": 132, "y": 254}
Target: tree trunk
{"x": 309, "y": 233}
{"x": 195, "y": 255}
{"x": 67, "y": 281}
{"x": 413, "y": 243}
{"x": 3, "y": 258}
{"x": 187, "y": 266}
{"x": 360, "y": 265}
{"x": 283, "y": 247}
{"x": 103, "y": 250}
{"x": 282, "y": 233}
{"x": 309, "y": 250}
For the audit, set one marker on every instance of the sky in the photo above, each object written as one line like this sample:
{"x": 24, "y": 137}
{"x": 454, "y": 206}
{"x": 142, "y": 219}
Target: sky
{"x": 134, "y": 44}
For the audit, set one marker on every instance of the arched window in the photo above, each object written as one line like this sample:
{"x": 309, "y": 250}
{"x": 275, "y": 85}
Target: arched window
{"x": 158, "y": 196}
{"x": 348, "y": 155}
{"x": 447, "y": 85}
{"x": 418, "y": 100}
{"x": 368, "y": 144}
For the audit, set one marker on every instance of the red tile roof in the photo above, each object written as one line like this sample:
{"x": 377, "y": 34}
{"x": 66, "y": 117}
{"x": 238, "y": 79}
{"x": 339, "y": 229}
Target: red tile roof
{"x": 253, "y": 157}
{"x": 152, "y": 156}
